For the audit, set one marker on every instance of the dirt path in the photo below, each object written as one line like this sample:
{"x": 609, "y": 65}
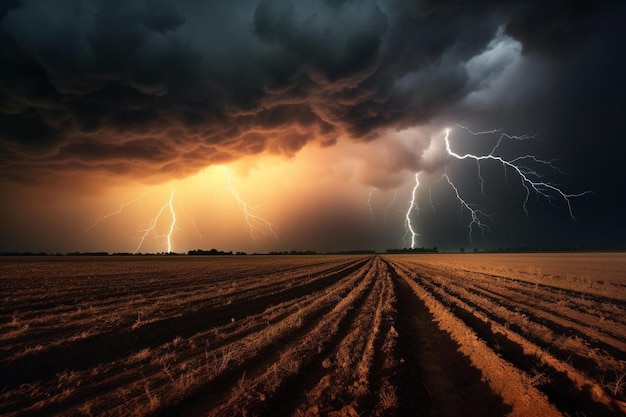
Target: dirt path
{"x": 436, "y": 379}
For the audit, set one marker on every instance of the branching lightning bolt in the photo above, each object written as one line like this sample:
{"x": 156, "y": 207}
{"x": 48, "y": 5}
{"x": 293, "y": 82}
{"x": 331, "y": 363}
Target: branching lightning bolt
{"x": 475, "y": 214}
{"x": 369, "y": 204}
{"x": 257, "y": 224}
{"x": 503, "y": 135}
{"x": 407, "y": 222}
{"x": 152, "y": 228}
{"x": 116, "y": 212}
{"x": 529, "y": 178}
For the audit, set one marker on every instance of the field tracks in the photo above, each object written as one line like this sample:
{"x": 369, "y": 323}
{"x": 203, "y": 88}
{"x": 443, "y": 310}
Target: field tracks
{"x": 338, "y": 336}
{"x": 569, "y": 371}
{"x": 503, "y": 378}
{"x": 177, "y": 360}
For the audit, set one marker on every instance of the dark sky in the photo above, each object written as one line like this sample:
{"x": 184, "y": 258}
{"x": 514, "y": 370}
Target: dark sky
{"x": 96, "y": 94}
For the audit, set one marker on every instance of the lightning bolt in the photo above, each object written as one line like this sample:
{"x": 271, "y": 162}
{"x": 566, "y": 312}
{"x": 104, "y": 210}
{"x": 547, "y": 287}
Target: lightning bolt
{"x": 530, "y": 179}
{"x": 475, "y": 214}
{"x": 393, "y": 200}
{"x": 503, "y": 135}
{"x": 258, "y": 225}
{"x": 369, "y": 204}
{"x": 116, "y": 212}
{"x": 152, "y": 227}
{"x": 430, "y": 194}
{"x": 407, "y": 222}
{"x": 191, "y": 219}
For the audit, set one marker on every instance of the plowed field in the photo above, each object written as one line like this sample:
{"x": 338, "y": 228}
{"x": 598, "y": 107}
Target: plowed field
{"x": 335, "y": 336}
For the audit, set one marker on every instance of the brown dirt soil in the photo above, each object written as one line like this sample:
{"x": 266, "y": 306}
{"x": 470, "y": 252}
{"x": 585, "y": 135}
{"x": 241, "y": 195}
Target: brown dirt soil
{"x": 347, "y": 336}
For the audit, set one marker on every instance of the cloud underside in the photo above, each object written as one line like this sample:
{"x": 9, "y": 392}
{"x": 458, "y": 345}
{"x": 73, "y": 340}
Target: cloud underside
{"x": 159, "y": 89}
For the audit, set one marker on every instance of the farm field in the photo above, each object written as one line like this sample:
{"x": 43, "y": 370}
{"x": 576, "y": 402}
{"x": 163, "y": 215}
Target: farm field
{"x": 380, "y": 335}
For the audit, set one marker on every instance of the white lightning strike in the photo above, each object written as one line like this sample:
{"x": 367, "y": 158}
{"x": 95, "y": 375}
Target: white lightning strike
{"x": 369, "y": 204}
{"x": 529, "y": 178}
{"x": 258, "y": 225}
{"x": 407, "y": 221}
{"x": 118, "y": 211}
{"x": 191, "y": 219}
{"x": 503, "y": 135}
{"x": 430, "y": 195}
{"x": 475, "y": 213}
{"x": 155, "y": 221}
{"x": 393, "y": 200}
{"x": 151, "y": 229}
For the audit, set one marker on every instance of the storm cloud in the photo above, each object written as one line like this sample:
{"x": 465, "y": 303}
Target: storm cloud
{"x": 159, "y": 89}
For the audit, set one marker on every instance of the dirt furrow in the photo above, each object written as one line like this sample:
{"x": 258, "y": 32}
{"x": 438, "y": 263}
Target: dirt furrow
{"x": 567, "y": 327}
{"x": 612, "y": 317}
{"x": 530, "y": 277}
{"x": 587, "y": 307}
{"x": 504, "y": 379}
{"x": 343, "y": 336}
{"x": 574, "y": 350}
{"x": 148, "y": 306}
{"x": 561, "y": 323}
{"x": 168, "y": 359}
{"x": 269, "y": 387}
{"x": 99, "y": 310}
{"x": 573, "y": 346}
{"x": 378, "y": 397}
{"x": 84, "y": 353}
{"x": 565, "y": 385}
{"x": 436, "y": 378}
{"x": 346, "y": 379}
{"x": 553, "y": 306}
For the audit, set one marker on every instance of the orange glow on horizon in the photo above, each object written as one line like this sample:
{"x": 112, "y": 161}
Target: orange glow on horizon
{"x": 315, "y": 199}
{"x": 209, "y": 216}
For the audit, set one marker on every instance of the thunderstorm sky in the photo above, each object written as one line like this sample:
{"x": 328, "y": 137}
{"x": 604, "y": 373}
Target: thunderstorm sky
{"x": 262, "y": 125}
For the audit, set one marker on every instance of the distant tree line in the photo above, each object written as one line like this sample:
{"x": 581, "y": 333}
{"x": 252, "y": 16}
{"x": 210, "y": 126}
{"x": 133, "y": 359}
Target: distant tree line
{"x": 434, "y": 249}
{"x": 294, "y": 252}
{"x": 25, "y": 254}
{"x": 202, "y": 252}
{"x": 213, "y": 252}
{"x": 353, "y": 252}
{"x": 312, "y": 252}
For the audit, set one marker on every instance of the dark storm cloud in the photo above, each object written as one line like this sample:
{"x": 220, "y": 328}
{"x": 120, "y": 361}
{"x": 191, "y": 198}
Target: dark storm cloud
{"x": 155, "y": 88}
